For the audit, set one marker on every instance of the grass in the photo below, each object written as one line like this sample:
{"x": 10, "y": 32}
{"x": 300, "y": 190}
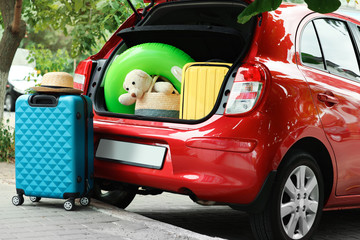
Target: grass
{"x": 7, "y": 143}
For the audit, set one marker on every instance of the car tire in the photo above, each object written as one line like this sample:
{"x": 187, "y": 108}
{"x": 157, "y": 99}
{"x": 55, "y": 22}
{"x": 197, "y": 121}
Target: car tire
{"x": 9, "y": 103}
{"x": 120, "y": 197}
{"x": 295, "y": 208}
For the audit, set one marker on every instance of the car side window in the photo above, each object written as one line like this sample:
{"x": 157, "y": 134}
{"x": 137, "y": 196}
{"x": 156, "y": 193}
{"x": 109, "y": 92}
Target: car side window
{"x": 310, "y": 49}
{"x": 338, "y": 49}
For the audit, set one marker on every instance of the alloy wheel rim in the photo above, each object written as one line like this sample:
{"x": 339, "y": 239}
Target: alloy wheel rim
{"x": 299, "y": 202}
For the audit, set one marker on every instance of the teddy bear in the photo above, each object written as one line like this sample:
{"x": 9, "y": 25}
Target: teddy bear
{"x": 138, "y": 82}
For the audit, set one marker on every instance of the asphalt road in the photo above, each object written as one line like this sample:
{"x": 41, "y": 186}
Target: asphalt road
{"x": 213, "y": 221}
{"x": 224, "y": 222}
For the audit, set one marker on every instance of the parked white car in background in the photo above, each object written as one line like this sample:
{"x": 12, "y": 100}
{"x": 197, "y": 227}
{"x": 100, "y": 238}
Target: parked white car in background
{"x": 20, "y": 79}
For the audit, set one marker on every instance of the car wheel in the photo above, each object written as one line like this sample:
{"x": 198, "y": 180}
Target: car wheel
{"x": 295, "y": 208}
{"x": 120, "y": 197}
{"x": 9, "y": 103}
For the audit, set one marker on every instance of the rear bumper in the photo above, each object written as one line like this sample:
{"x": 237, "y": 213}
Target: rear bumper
{"x": 211, "y": 166}
{"x": 172, "y": 184}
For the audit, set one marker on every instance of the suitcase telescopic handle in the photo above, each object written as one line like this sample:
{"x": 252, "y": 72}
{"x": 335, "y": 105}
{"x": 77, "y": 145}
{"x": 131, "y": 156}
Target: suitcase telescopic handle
{"x": 43, "y": 101}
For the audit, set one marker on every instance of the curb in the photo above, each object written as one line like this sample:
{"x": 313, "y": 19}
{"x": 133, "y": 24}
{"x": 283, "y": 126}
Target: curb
{"x": 167, "y": 231}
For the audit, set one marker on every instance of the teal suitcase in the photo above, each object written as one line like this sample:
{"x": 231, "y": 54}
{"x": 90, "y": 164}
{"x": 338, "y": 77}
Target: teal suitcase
{"x": 54, "y": 148}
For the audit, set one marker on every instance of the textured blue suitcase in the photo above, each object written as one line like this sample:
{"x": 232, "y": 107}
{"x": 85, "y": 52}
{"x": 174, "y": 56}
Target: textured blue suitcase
{"x": 54, "y": 148}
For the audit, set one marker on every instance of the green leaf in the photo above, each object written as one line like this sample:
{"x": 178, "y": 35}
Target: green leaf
{"x": 102, "y": 4}
{"x": 323, "y": 6}
{"x": 115, "y": 5}
{"x": 78, "y": 5}
{"x": 258, "y": 6}
{"x": 68, "y": 6}
{"x": 117, "y": 19}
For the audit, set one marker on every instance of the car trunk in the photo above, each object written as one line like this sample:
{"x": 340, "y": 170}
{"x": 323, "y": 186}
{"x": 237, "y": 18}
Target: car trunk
{"x": 208, "y": 32}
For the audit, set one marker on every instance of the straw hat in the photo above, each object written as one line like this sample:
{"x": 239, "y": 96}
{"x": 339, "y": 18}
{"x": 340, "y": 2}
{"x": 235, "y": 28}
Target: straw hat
{"x": 59, "y": 82}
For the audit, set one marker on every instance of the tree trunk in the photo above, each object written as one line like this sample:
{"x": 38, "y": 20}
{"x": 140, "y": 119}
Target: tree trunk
{"x": 3, "y": 75}
{"x": 9, "y": 42}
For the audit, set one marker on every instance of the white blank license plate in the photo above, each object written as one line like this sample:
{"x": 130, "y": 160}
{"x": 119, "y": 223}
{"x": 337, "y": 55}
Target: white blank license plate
{"x": 131, "y": 153}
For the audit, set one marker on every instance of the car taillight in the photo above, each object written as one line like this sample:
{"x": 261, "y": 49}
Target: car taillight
{"x": 82, "y": 75}
{"x": 248, "y": 87}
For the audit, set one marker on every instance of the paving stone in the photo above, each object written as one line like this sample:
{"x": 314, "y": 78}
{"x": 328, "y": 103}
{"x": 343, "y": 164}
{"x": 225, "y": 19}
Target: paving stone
{"x": 48, "y": 220}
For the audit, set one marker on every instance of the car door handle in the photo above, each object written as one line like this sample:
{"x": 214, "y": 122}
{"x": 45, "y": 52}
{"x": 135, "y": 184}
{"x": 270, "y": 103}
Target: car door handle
{"x": 328, "y": 98}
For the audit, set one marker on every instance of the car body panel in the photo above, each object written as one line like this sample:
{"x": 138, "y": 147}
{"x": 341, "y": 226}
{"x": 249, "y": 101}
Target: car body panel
{"x": 342, "y": 126}
{"x": 212, "y": 174}
{"x": 227, "y": 158}
{"x": 340, "y": 121}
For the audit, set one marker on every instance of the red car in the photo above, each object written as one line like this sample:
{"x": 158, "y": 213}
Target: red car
{"x": 281, "y": 140}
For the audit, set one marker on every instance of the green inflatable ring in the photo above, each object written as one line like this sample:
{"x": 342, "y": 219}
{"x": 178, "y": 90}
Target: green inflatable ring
{"x": 154, "y": 59}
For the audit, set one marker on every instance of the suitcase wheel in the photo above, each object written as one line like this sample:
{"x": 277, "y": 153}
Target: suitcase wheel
{"x": 69, "y": 205}
{"x": 35, "y": 199}
{"x": 85, "y": 201}
{"x": 18, "y": 200}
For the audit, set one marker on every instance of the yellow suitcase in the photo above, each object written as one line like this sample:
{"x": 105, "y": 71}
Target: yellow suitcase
{"x": 200, "y": 87}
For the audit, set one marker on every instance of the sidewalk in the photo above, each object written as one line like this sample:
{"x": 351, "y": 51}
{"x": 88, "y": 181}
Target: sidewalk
{"x": 9, "y": 119}
{"x": 48, "y": 219}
